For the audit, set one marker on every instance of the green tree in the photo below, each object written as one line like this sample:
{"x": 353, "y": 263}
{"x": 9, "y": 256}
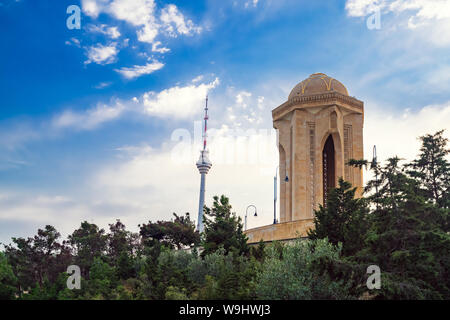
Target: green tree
{"x": 392, "y": 186}
{"x": 223, "y": 229}
{"x": 177, "y": 233}
{"x": 35, "y": 260}
{"x": 88, "y": 242}
{"x": 122, "y": 250}
{"x": 406, "y": 238}
{"x": 8, "y": 280}
{"x": 172, "y": 272}
{"x": 343, "y": 219}
{"x": 432, "y": 169}
{"x": 258, "y": 252}
{"x": 102, "y": 280}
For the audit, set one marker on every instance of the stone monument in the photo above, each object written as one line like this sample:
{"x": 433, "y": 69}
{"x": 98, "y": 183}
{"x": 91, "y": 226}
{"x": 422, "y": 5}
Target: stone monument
{"x": 320, "y": 128}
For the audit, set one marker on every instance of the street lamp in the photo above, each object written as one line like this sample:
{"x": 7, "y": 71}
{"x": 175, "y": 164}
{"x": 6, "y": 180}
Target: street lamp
{"x": 246, "y": 211}
{"x": 275, "y": 196}
{"x": 275, "y": 184}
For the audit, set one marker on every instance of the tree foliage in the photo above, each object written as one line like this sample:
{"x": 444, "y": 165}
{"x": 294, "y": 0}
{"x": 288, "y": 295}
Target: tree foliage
{"x": 342, "y": 220}
{"x": 223, "y": 229}
{"x": 177, "y": 233}
{"x": 298, "y": 275}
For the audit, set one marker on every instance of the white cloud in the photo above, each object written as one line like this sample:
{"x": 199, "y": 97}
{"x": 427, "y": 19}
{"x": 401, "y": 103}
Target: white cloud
{"x": 148, "y": 33}
{"x": 73, "y": 42}
{"x": 139, "y": 13}
{"x": 143, "y": 15}
{"x": 89, "y": 119}
{"x": 102, "y": 85}
{"x": 101, "y": 54}
{"x": 361, "y": 8}
{"x": 149, "y": 178}
{"x": 93, "y": 8}
{"x": 241, "y": 96}
{"x": 112, "y": 32}
{"x": 179, "y": 102}
{"x": 156, "y": 47}
{"x": 136, "y": 12}
{"x": 254, "y": 3}
{"x": 176, "y": 102}
{"x": 396, "y": 133}
{"x": 197, "y": 79}
{"x": 175, "y": 22}
{"x": 430, "y": 18}
{"x": 137, "y": 71}
{"x": 260, "y": 102}
{"x": 419, "y": 9}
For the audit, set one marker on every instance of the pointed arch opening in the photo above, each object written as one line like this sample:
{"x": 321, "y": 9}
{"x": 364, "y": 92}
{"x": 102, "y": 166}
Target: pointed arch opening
{"x": 328, "y": 168}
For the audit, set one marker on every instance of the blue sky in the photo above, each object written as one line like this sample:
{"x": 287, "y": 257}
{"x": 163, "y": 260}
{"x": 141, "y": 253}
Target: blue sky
{"x": 90, "y": 117}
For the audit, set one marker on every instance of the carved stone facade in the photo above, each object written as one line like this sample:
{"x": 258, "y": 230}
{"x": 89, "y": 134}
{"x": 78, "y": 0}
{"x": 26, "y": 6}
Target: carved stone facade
{"x": 320, "y": 128}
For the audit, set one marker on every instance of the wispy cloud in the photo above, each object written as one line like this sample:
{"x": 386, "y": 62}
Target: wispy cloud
{"x": 396, "y": 132}
{"x": 428, "y": 18}
{"x": 89, "y": 119}
{"x": 175, "y": 22}
{"x": 179, "y": 102}
{"x": 143, "y": 14}
{"x": 175, "y": 102}
{"x": 111, "y": 32}
{"x": 73, "y": 42}
{"x": 137, "y": 71}
{"x": 156, "y": 47}
{"x": 103, "y": 85}
{"x": 102, "y": 54}
{"x": 253, "y": 3}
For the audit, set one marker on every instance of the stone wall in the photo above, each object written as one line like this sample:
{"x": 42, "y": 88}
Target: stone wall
{"x": 280, "y": 231}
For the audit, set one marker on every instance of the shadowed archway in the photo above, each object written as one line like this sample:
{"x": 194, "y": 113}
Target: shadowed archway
{"x": 328, "y": 168}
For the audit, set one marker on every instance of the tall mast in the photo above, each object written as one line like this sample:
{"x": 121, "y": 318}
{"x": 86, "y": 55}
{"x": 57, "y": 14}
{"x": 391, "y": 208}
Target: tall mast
{"x": 203, "y": 166}
{"x": 206, "y": 124}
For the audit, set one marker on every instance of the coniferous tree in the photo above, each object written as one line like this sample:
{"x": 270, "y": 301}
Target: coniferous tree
{"x": 406, "y": 238}
{"x": 8, "y": 280}
{"x": 223, "y": 229}
{"x": 38, "y": 259}
{"x": 178, "y": 233}
{"x": 432, "y": 169}
{"x": 88, "y": 242}
{"x": 343, "y": 219}
{"x": 121, "y": 250}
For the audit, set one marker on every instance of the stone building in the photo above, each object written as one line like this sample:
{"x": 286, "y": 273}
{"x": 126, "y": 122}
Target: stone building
{"x": 320, "y": 128}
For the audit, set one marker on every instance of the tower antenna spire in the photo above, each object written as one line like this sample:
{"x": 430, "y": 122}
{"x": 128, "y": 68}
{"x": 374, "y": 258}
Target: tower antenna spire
{"x": 206, "y": 124}
{"x": 203, "y": 166}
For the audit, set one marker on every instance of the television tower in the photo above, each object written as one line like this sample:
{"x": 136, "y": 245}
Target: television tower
{"x": 203, "y": 166}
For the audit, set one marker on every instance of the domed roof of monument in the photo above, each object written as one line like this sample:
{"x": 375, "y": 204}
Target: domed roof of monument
{"x": 317, "y": 83}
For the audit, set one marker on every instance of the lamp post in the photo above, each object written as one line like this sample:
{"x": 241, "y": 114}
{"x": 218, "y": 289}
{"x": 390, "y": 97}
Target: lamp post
{"x": 275, "y": 196}
{"x": 246, "y": 211}
{"x": 275, "y": 185}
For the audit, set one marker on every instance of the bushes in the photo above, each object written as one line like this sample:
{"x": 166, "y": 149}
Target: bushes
{"x": 223, "y": 276}
{"x": 296, "y": 275}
